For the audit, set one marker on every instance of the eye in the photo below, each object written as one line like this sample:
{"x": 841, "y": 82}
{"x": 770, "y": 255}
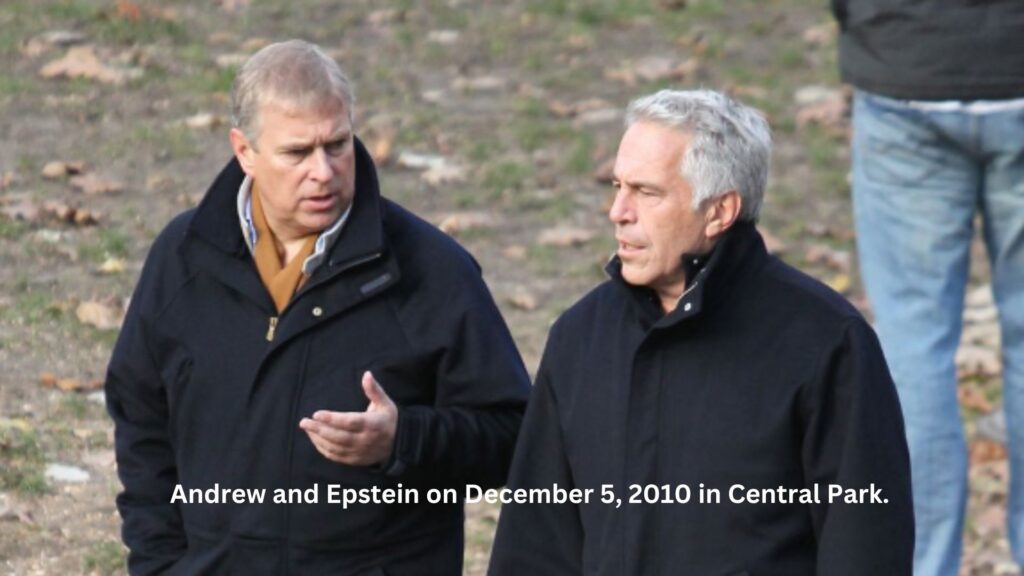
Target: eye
{"x": 336, "y": 147}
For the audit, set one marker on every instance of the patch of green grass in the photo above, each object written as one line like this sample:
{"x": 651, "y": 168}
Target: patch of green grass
{"x": 22, "y": 455}
{"x": 12, "y": 229}
{"x": 74, "y": 406}
{"x": 579, "y": 160}
{"x": 106, "y": 557}
{"x": 506, "y": 175}
{"x": 146, "y": 30}
{"x": 212, "y": 80}
{"x": 15, "y": 86}
{"x": 33, "y": 307}
{"x": 108, "y": 243}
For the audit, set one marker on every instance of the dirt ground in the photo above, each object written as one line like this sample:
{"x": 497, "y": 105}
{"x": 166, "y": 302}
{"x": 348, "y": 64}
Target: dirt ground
{"x": 492, "y": 119}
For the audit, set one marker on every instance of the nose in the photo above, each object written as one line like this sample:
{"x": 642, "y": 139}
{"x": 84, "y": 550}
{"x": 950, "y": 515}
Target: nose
{"x": 321, "y": 170}
{"x": 622, "y": 211}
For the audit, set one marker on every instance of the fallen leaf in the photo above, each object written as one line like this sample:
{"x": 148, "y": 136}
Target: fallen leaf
{"x": 57, "y": 169}
{"x": 8, "y": 179}
{"x": 978, "y": 361}
{"x": 128, "y": 10}
{"x": 523, "y": 300}
{"x": 654, "y": 69}
{"x": 443, "y": 37}
{"x": 479, "y": 84}
{"x": 444, "y": 174}
{"x": 820, "y": 35}
{"x": 112, "y": 266}
{"x": 984, "y": 451}
{"x": 48, "y": 379}
{"x": 562, "y": 109}
{"x": 385, "y": 16}
{"x": 204, "y": 121}
{"x": 823, "y": 106}
{"x": 92, "y": 184}
{"x": 969, "y": 396}
{"x": 457, "y": 222}
{"x": 416, "y": 161}
{"x": 565, "y": 237}
{"x": 82, "y": 62}
{"x": 69, "y": 384}
{"x": 514, "y": 252}
{"x": 102, "y": 316}
{"x": 233, "y": 5}
{"x": 840, "y": 283}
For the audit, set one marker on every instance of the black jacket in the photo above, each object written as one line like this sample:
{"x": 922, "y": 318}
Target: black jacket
{"x": 762, "y": 377}
{"x": 931, "y": 50}
{"x": 200, "y": 397}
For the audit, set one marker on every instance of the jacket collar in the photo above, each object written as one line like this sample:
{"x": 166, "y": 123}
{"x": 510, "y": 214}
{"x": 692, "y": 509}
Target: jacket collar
{"x": 711, "y": 277}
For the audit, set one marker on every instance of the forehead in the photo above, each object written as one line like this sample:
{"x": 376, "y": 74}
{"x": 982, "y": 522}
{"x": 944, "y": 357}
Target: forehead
{"x": 285, "y": 120}
{"x": 649, "y": 150}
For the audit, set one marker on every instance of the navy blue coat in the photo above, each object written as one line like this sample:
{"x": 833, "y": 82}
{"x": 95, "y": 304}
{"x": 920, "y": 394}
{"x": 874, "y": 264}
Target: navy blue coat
{"x": 761, "y": 377}
{"x": 200, "y": 397}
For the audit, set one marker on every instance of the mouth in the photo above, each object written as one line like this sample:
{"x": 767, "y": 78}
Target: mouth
{"x": 627, "y": 248}
{"x": 320, "y": 202}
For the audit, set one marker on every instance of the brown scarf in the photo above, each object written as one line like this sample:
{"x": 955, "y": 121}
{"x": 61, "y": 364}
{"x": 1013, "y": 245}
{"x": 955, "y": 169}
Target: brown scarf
{"x": 281, "y": 281}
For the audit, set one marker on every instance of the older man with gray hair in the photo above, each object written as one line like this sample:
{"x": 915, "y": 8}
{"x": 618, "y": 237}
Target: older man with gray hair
{"x": 713, "y": 410}
{"x": 303, "y": 360}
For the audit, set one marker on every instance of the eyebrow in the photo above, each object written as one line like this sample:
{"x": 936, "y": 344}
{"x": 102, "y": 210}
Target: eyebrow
{"x": 299, "y": 146}
{"x": 640, "y": 184}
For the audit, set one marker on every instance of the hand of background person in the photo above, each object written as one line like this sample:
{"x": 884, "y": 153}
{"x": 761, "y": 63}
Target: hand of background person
{"x": 356, "y": 438}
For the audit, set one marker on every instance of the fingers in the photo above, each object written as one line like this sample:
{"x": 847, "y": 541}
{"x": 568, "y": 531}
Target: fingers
{"x": 374, "y": 393}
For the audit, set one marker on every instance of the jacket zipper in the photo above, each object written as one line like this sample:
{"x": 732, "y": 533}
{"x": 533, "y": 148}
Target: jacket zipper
{"x": 271, "y": 328}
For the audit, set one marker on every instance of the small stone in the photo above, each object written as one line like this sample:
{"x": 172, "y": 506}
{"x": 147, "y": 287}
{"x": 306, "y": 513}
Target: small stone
{"x": 66, "y": 473}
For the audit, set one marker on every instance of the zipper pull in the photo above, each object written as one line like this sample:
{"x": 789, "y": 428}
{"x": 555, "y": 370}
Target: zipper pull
{"x": 270, "y": 330}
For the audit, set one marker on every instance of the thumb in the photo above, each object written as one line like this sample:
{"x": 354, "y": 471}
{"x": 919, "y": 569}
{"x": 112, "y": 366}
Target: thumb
{"x": 374, "y": 393}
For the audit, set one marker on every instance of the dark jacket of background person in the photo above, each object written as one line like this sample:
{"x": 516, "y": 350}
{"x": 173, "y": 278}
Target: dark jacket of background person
{"x": 201, "y": 397}
{"x": 761, "y": 376}
{"x": 957, "y": 50}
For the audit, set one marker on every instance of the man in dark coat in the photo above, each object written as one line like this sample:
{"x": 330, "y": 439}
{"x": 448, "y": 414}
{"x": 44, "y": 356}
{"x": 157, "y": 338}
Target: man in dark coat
{"x": 303, "y": 360}
{"x": 729, "y": 414}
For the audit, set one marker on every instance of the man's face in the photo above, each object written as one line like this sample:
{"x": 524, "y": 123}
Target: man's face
{"x": 655, "y": 223}
{"x": 303, "y": 164}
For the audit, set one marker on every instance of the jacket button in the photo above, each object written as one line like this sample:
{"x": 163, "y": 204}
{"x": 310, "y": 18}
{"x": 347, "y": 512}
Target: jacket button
{"x": 318, "y": 311}
{"x": 687, "y": 306}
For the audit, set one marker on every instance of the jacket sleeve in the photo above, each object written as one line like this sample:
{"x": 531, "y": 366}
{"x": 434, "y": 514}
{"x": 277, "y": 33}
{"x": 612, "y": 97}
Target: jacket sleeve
{"x": 539, "y": 539}
{"x": 152, "y": 526}
{"x": 469, "y": 433}
{"x": 854, "y": 438}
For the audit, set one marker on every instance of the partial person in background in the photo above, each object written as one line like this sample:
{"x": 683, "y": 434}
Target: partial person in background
{"x": 938, "y": 138}
{"x": 705, "y": 363}
{"x": 298, "y": 331}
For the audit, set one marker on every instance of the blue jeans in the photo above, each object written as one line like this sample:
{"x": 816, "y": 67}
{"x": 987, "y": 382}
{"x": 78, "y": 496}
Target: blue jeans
{"x": 919, "y": 179}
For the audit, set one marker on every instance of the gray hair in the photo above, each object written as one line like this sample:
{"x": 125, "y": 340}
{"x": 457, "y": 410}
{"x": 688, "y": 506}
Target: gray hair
{"x": 295, "y": 72}
{"x": 730, "y": 145}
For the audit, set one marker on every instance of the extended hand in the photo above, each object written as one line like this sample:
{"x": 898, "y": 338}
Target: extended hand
{"x": 356, "y": 438}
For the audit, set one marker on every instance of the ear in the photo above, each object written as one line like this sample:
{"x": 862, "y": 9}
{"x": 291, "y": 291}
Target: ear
{"x": 243, "y": 149}
{"x": 722, "y": 213}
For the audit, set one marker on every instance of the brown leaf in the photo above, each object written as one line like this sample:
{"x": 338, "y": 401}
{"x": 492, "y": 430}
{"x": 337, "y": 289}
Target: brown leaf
{"x": 82, "y": 62}
{"x": 8, "y": 179}
{"x": 457, "y": 222}
{"x": 382, "y": 148}
{"x": 969, "y": 396}
{"x": 92, "y": 184}
{"x": 112, "y": 266}
{"x": 204, "y": 121}
{"x": 385, "y": 16}
{"x": 102, "y": 316}
{"x": 566, "y": 110}
{"x": 515, "y": 252}
{"x": 984, "y": 451}
{"x": 565, "y": 237}
{"x": 57, "y": 169}
{"x": 820, "y": 35}
{"x": 823, "y": 106}
{"x": 128, "y": 10}
{"x": 48, "y": 379}
{"x": 523, "y": 300}
{"x": 69, "y": 384}
{"x": 654, "y": 69}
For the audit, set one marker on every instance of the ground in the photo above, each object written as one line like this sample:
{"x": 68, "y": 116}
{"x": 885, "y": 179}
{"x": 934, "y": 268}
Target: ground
{"x": 494, "y": 120}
